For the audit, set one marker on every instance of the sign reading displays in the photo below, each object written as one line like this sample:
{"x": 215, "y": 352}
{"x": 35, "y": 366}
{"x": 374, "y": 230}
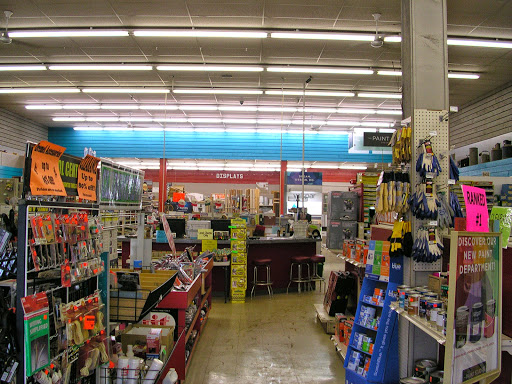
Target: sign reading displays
{"x": 229, "y": 176}
{"x": 373, "y": 139}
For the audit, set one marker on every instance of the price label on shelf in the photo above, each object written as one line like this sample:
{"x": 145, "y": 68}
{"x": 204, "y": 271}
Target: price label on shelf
{"x": 89, "y": 322}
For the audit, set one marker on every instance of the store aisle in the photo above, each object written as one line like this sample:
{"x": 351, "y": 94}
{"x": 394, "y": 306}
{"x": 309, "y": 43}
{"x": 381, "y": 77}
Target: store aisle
{"x": 267, "y": 341}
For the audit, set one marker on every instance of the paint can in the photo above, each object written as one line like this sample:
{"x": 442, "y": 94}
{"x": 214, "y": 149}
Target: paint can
{"x": 436, "y": 377}
{"x": 412, "y": 380}
{"x": 414, "y": 304}
{"x": 441, "y": 318}
{"x": 424, "y": 367}
{"x": 477, "y": 312}
{"x": 461, "y": 326}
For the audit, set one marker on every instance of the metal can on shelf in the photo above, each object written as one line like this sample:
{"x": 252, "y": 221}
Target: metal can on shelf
{"x": 432, "y": 304}
{"x": 436, "y": 377}
{"x": 414, "y": 304}
{"x": 408, "y": 293}
{"x": 433, "y": 317}
{"x": 421, "y": 290}
{"x": 423, "y": 306}
{"x": 424, "y": 367}
{"x": 441, "y": 319}
{"x": 401, "y": 296}
{"x": 431, "y": 295}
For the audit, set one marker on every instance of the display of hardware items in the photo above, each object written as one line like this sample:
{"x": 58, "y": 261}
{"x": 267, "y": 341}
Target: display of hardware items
{"x": 8, "y": 257}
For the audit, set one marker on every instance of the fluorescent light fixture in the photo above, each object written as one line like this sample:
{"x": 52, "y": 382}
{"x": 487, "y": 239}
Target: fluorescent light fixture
{"x": 378, "y": 95}
{"x": 295, "y": 131}
{"x": 238, "y": 165}
{"x": 376, "y": 124}
{"x": 179, "y": 129}
{"x": 117, "y": 129}
{"x": 274, "y": 122}
{"x": 39, "y": 90}
{"x": 136, "y": 119}
{"x": 347, "y": 71}
{"x": 204, "y": 120}
{"x": 277, "y": 109}
{"x": 237, "y": 108}
{"x": 22, "y": 68}
{"x": 461, "y": 75}
{"x": 101, "y": 119}
{"x": 294, "y": 169}
{"x": 198, "y": 107}
{"x": 170, "y": 120}
{"x": 100, "y": 67}
{"x": 318, "y": 110}
{"x": 259, "y": 169}
{"x": 149, "y": 129}
{"x": 266, "y": 130}
{"x": 311, "y": 93}
{"x": 207, "y": 164}
{"x": 119, "y": 106}
{"x": 322, "y": 36}
{"x": 180, "y": 168}
{"x": 202, "y": 168}
{"x": 356, "y": 111}
{"x": 219, "y": 91}
{"x": 68, "y": 119}
{"x": 308, "y": 122}
{"x": 386, "y": 130}
{"x": 210, "y": 68}
{"x": 396, "y": 112}
{"x": 324, "y": 166}
{"x": 362, "y": 167}
{"x": 80, "y": 106}
{"x": 70, "y": 33}
{"x": 393, "y": 39}
{"x": 263, "y": 165}
{"x": 389, "y": 73}
{"x": 239, "y": 121}
{"x": 198, "y": 33}
{"x": 88, "y": 128}
{"x": 43, "y": 107}
{"x": 343, "y": 123}
{"x": 160, "y": 107}
{"x": 362, "y": 130}
{"x": 479, "y": 43}
{"x": 125, "y": 90}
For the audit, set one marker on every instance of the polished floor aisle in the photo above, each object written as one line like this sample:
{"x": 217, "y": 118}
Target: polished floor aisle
{"x": 267, "y": 341}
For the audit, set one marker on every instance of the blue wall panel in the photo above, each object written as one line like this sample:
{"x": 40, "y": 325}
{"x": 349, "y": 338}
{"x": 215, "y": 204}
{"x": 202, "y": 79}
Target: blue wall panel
{"x": 499, "y": 168}
{"x": 8, "y": 172}
{"x": 200, "y": 145}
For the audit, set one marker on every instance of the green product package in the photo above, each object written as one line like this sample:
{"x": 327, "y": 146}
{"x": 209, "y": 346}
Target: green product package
{"x": 504, "y": 216}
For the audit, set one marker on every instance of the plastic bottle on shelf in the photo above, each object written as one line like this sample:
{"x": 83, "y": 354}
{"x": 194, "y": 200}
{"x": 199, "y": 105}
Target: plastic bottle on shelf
{"x": 133, "y": 370}
{"x": 122, "y": 369}
{"x": 163, "y": 353}
{"x": 171, "y": 377}
{"x": 153, "y": 371}
{"x": 129, "y": 351}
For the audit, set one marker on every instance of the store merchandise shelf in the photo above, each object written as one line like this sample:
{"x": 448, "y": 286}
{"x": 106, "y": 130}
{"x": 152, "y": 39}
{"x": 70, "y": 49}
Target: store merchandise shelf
{"x": 373, "y": 304}
{"x": 201, "y": 327}
{"x": 351, "y": 261}
{"x": 187, "y": 364}
{"x": 198, "y": 312}
{"x": 341, "y": 348}
{"x": 360, "y": 350}
{"x": 420, "y": 323}
{"x": 365, "y": 327}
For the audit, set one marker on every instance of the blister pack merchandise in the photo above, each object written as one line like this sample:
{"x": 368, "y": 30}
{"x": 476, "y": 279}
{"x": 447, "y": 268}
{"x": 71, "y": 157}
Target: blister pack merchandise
{"x": 424, "y": 203}
{"x": 427, "y": 247}
{"x": 401, "y": 239}
{"x": 401, "y": 145}
{"x": 455, "y": 205}
{"x": 427, "y": 163}
{"x": 454, "y": 170}
{"x": 445, "y": 213}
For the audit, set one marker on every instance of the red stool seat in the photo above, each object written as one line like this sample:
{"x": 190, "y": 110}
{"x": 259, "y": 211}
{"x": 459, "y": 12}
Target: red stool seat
{"x": 262, "y": 261}
{"x": 299, "y": 259}
{"x": 317, "y": 259}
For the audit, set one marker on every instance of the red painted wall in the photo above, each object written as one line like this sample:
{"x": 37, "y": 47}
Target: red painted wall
{"x": 232, "y": 177}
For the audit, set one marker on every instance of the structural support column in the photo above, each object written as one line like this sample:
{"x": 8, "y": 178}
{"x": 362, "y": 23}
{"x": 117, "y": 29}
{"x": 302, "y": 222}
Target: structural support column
{"x": 162, "y": 185}
{"x": 425, "y": 100}
{"x": 282, "y": 186}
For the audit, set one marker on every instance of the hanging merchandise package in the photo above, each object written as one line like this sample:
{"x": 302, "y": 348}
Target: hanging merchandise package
{"x": 37, "y": 332}
{"x": 427, "y": 164}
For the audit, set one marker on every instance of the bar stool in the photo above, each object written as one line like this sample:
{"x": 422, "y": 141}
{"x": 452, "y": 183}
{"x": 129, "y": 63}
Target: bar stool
{"x": 300, "y": 262}
{"x": 315, "y": 260}
{"x": 262, "y": 263}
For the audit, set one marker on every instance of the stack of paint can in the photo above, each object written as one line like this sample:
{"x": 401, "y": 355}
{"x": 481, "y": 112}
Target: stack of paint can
{"x": 425, "y": 371}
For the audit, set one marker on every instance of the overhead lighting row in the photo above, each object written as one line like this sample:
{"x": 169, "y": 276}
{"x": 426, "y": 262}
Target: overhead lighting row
{"x": 209, "y": 120}
{"x": 206, "y": 108}
{"x": 234, "y": 130}
{"x": 216, "y": 68}
{"x": 220, "y": 91}
{"x": 488, "y": 43}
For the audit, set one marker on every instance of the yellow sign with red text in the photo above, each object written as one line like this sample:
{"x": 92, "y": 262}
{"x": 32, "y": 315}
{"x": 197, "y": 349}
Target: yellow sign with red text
{"x": 87, "y": 178}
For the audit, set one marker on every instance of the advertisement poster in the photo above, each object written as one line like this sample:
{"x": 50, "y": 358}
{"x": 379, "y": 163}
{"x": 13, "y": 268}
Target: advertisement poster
{"x": 87, "y": 177}
{"x": 122, "y": 186}
{"x": 37, "y": 332}
{"x": 44, "y": 170}
{"x": 504, "y": 216}
{"x": 168, "y": 233}
{"x": 477, "y": 215}
{"x": 477, "y": 328}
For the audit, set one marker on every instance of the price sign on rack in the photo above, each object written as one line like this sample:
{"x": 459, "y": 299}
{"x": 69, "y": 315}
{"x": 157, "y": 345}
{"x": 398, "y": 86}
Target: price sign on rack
{"x": 87, "y": 179}
{"x": 44, "y": 170}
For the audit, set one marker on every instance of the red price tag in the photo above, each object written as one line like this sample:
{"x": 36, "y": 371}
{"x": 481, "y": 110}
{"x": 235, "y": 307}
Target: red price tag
{"x": 89, "y": 322}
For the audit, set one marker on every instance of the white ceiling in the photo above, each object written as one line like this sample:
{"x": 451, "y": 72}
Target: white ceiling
{"x": 466, "y": 18}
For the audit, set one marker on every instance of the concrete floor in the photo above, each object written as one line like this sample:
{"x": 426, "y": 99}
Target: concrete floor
{"x": 267, "y": 341}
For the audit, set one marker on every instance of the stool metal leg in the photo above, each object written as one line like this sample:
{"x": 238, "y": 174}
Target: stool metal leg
{"x": 291, "y": 275}
{"x": 269, "y": 288}
{"x": 255, "y": 275}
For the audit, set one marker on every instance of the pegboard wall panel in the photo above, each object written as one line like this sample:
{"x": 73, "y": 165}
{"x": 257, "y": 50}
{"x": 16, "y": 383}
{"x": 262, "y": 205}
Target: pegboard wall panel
{"x": 434, "y": 125}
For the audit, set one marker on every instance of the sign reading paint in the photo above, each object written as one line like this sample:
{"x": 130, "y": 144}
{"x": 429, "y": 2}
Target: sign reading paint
{"x": 477, "y": 215}
{"x": 374, "y": 139}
